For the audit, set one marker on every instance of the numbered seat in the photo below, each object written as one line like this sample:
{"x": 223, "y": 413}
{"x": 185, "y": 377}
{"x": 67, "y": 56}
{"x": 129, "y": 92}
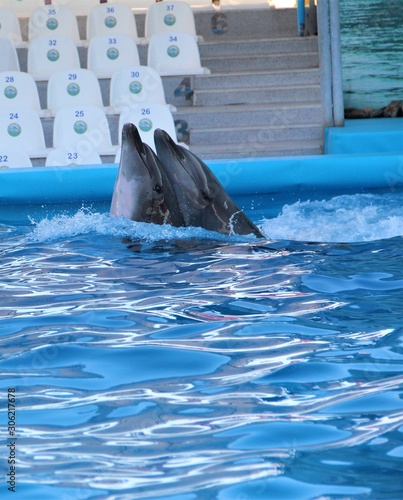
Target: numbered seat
{"x": 110, "y": 19}
{"x": 10, "y": 28}
{"x": 18, "y": 89}
{"x": 62, "y": 157}
{"x": 148, "y": 117}
{"x": 21, "y": 129}
{"x": 73, "y": 87}
{"x": 79, "y": 7}
{"x": 53, "y": 20}
{"x": 11, "y": 158}
{"x": 133, "y": 85}
{"x": 9, "y": 58}
{"x": 47, "y": 55}
{"x": 175, "y": 54}
{"x": 84, "y": 129}
{"x": 167, "y": 17}
{"x": 107, "y": 54}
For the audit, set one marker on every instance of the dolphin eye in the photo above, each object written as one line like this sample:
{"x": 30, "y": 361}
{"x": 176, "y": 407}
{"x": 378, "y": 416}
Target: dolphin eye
{"x": 158, "y": 188}
{"x": 206, "y": 196}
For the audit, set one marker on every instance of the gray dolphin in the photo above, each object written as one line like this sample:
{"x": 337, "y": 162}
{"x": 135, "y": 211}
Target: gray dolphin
{"x": 142, "y": 191}
{"x": 203, "y": 200}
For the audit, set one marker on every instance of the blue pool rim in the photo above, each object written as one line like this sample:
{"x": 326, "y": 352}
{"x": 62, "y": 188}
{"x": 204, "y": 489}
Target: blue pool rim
{"x": 256, "y": 176}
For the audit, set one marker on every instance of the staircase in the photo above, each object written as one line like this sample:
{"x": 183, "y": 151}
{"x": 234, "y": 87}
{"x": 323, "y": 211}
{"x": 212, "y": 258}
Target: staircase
{"x": 262, "y": 97}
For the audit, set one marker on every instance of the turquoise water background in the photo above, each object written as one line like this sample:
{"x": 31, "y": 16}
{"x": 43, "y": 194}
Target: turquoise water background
{"x": 191, "y": 366}
{"x": 372, "y": 52}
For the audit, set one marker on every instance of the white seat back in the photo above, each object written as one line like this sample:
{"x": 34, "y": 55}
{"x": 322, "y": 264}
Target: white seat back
{"x": 18, "y": 89}
{"x": 73, "y": 87}
{"x": 175, "y": 54}
{"x": 9, "y": 58}
{"x": 107, "y": 54}
{"x": 62, "y": 157}
{"x": 10, "y": 26}
{"x": 53, "y": 20}
{"x": 110, "y": 19}
{"x": 11, "y": 158}
{"x": 137, "y": 6}
{"x": 79, "y": 7}
{"x": 21, "y": 129}
{"x": 134, "y": 85}
{"x": 148, "y": 117}
{"x": 163, "y": 17}
{"x": 84, "y": 129}
{"x": 47, "y": 55}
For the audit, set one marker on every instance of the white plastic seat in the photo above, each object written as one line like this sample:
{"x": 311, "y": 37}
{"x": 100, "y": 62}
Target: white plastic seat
{"x": 79, "y": 7}
{"x": 53, "y": 20}
{"x": 10, "y": 28}
{"x": 138, "y": 6}
{"x": 9, "y": 58}
{"x": 110, "y": 19}
{"x": 84, "y": 129}
{"x": 107, "y": 54}
{"x": 173, "y": 54}
{"x": 148, "y": 117}
{"x": 166, "y": 17}
{"x": 62, "y": 157}
{"x": 47, "y": 55}
{"x": 134, "y": 85}
{"x": 11, "y": 158}
{"x": 73, "y": 87}
{"x": 18, "y": 89}
{"x": 21, "y": 129}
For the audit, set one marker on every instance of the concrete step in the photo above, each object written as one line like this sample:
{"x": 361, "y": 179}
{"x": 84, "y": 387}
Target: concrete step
{"x": 283, "y": 45}
{"x": 243, "y": 24}
{"x": 243, "y": 79}
{"x": 256, "y": 134}
{"x": 290, "y": 94}
{"x": 234, "y": 63}
{"x": 262, "y": 150}
{"x": 279, "y": 114}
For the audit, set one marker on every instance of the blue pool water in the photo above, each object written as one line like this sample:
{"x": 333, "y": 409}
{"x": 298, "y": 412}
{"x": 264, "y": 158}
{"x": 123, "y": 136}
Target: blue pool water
{"x": 193, "y": 366}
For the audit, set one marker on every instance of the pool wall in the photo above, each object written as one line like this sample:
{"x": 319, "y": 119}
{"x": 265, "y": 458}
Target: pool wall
{"x": 362, "y": 155}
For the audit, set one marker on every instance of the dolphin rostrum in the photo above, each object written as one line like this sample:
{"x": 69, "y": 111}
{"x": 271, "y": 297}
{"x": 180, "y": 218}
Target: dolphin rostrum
{"x": 142, "y": 192}
{"x": 202, "y": 199}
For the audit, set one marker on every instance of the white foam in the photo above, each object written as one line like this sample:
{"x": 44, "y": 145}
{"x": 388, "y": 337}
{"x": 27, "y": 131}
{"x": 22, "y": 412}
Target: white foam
{"x": 85, "y": 221}
{"x": 347, "y": 218}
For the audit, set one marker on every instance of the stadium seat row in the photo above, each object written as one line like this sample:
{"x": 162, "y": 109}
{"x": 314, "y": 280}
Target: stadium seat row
{"x": 168, "y": 53}
{"x": 103, "y": 19}
{"x": 24, "y": 8}
{"x": 129, "y": 86}
{"x": 81, "y": 135}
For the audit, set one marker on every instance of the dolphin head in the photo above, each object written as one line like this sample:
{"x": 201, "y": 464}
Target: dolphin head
{"x": 187, "y": 178}
{"x": 202, "y": 198}
{"x": 138, "y": 193}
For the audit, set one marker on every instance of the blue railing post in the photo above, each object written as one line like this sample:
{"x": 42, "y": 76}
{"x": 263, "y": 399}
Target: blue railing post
{"x": 301, "y": 17}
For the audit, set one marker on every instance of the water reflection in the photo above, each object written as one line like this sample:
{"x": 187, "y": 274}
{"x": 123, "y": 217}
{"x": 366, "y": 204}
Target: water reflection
{"x": 224, "y": 371}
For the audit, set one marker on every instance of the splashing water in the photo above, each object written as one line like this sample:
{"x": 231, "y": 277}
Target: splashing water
{"x": 346, "y": 218}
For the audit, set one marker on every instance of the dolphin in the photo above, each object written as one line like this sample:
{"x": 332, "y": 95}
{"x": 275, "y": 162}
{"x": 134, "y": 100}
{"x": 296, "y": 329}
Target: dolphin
{"x": 203, "y": 200}
{"x": 142, "y": 191}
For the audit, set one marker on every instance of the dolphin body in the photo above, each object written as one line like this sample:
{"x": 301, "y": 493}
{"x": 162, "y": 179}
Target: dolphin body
{"x": 142, "y": 191}
{"x": 203, "y": 200}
